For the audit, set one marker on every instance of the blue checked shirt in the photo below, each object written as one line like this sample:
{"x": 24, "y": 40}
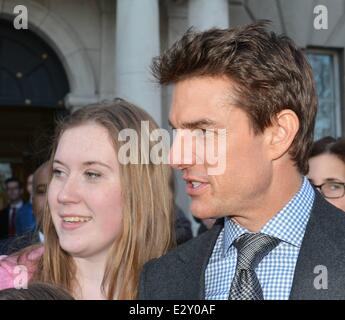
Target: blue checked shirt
{"x": 275, "y": 272}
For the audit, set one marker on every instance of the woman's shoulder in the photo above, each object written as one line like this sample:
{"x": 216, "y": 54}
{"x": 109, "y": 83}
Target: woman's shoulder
{"x": 17, "y": 269}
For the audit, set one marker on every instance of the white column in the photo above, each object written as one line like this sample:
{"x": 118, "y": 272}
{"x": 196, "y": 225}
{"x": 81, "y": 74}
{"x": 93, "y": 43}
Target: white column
{"x": 137, "y": 42}
{"x": 107, "y": 52}
{"x": 205, "y": 14}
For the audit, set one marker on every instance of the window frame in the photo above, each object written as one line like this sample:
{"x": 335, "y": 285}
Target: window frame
{"x": 337, "y": 83}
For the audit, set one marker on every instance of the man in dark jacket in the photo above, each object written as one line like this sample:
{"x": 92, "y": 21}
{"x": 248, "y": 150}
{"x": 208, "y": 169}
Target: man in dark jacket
{"x": 14, "y": 193}
{"x": 250, "y": 93}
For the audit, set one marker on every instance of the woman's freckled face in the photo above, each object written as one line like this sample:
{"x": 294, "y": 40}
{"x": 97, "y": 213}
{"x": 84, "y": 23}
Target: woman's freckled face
{"x": 86, "y": 185}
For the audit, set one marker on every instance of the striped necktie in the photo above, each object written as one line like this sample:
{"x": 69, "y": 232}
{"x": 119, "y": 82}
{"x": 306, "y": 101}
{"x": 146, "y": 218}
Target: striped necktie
{"x": 251, "y": 249}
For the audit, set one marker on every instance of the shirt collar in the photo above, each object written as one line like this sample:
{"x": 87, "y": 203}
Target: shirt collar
{"x": 17, "y": 205}
{"x": 288, "y": 224}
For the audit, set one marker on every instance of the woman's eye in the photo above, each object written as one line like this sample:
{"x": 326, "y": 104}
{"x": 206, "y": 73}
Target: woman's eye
{"x": 92, "y": 175}
{"x": 57, "y": 173}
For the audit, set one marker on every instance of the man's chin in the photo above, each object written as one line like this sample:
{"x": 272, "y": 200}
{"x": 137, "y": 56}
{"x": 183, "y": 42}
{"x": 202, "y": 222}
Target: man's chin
{"x": 201, "y": 212}
{"x": 205, "y": 212}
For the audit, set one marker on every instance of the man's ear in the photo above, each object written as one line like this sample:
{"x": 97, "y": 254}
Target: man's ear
{"x": 281, "y": 133}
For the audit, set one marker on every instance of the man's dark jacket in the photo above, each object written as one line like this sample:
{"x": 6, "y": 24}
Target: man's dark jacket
{"x": 180, "y": 274}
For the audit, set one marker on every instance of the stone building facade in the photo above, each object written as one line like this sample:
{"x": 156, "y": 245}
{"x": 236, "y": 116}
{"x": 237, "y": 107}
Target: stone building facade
{"x": 105, "y": 48}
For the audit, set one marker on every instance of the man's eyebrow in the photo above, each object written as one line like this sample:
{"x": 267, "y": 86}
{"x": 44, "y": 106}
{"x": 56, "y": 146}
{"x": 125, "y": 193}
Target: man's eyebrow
{"x": 87, "y": 163}
{"x": 197, "y": 124}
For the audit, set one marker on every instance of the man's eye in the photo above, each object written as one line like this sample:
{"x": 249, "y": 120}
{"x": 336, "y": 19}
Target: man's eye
{"x": 199, "y": 132}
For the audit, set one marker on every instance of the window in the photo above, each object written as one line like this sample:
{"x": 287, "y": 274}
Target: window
{"x": 325, "y": 66}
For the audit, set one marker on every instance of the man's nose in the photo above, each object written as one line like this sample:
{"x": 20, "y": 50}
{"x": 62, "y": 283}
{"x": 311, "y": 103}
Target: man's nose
{"x": 181, "y": 154}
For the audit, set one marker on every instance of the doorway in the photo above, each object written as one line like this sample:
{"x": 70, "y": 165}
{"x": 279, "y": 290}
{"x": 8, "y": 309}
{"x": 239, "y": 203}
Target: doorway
{"x": 33, "y": 86}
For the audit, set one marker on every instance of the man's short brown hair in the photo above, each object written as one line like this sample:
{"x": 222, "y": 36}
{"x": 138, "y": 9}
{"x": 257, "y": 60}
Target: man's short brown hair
{"x": 269, "y": 71}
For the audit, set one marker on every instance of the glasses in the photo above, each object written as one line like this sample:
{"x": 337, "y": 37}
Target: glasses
{"x": 332, "y": 190}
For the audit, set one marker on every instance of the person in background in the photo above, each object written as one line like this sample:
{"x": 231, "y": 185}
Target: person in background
{"x": 14, "y": 192}
{"x": 183, "y": 229}
{"x": 29, "y": 183}
{"x": 327, "y": 169}
{"x": 39, "y": 192}
{"x": 25, "y": 219}
{"x": 107, "y": 214}
{"x": 204, "y": 224}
